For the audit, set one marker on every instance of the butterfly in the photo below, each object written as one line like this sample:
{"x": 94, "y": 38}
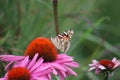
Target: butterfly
{"x": 62, "y": 41}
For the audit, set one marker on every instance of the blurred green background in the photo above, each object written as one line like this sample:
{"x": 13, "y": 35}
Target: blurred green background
{"x": 96, "y": 25}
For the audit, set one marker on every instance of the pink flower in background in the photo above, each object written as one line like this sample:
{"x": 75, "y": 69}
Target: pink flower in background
{"x": 103, "y": 65}
{"x": 97, "y": 66}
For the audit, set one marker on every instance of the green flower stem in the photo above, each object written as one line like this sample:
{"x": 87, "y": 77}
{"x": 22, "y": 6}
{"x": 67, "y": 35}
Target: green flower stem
{"x": 106, "y": 75}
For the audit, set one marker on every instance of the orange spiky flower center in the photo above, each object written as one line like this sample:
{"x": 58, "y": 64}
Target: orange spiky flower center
{"x": 107, "y": 63}
{"x": 44, "y": 47}
{"x": 18, "y": 73}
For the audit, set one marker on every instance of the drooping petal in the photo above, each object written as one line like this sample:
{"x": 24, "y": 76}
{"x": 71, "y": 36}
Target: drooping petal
{"x": 114, "y": 59}
{"x": 70, "y": 71}
{"x": 39, "y": 78}
{"x": 24, "y": 62}
{"x": 97, "y": 71}
{"x": 41, "y": 73}
{"x": 8, "y": 65}
{"x": 59, "y": 67}
{"x": 72, "y": 64}
{"x": 91, "y": 68}
{"x": 116, "y": 65}
{"x": 101, "y": 67}
{"x": 3, "y": 78}
{"x": 61, "y": 76}
{"x": 8, "y": 58}
{"x": 64, "y": 58}
{"x": 54, "y": 71}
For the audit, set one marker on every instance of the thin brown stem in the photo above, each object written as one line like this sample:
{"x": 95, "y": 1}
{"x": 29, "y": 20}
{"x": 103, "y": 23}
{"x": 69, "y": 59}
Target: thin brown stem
{"x": 55, "y": 11}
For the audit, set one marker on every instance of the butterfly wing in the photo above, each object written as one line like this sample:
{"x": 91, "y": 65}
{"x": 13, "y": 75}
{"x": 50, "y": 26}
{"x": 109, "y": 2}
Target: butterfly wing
{"x": 62, "y": 41}
{"x": 66, "y": 46}
{"x": 56, "y": 42}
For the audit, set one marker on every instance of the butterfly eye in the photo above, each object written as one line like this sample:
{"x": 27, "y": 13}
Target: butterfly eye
{"x": 62, "y": 41}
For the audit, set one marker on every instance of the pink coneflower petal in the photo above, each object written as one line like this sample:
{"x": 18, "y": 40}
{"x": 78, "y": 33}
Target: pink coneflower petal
{"x": 37, "y": 78}
{"x": 116, "y": 62}
{"x": 72, "y": 64}
{"x": 64, "y": 55}
{"x": 37, "y": 64}
{"x": 116, "y": 65}
{"x": 11, "y": 58}
{"x": 3, "y": 79}
{"x": 101, "y": 67}
{"x": 43, "y": 67}
{"x": 8, "y": 65}
{"x": 54, "y": 71}
{"x": 114, "y": 59}
{"x": 62, "y": 75}
{"x": 33, "y": 61}
{"x": 57, "y": 66}
{"x": 24, "y": 62}
{"x": 70, "y": 71}
{"x": 44, "y": 72}
{"x": 97, "y": 71}
{"x": 92, "y": 68}
{"x": 63, "y": 58}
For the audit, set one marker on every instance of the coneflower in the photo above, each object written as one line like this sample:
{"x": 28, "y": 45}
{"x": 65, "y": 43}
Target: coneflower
{"x": 57, "y": 64}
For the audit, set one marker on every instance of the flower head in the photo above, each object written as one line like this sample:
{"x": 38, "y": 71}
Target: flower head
{"x": 42, "y": 46}
{"x": 103, "y": 65}
{"x": 18, "y": 73}
{"x": 27, "y": 70}
{"x": 51, "y": 62}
